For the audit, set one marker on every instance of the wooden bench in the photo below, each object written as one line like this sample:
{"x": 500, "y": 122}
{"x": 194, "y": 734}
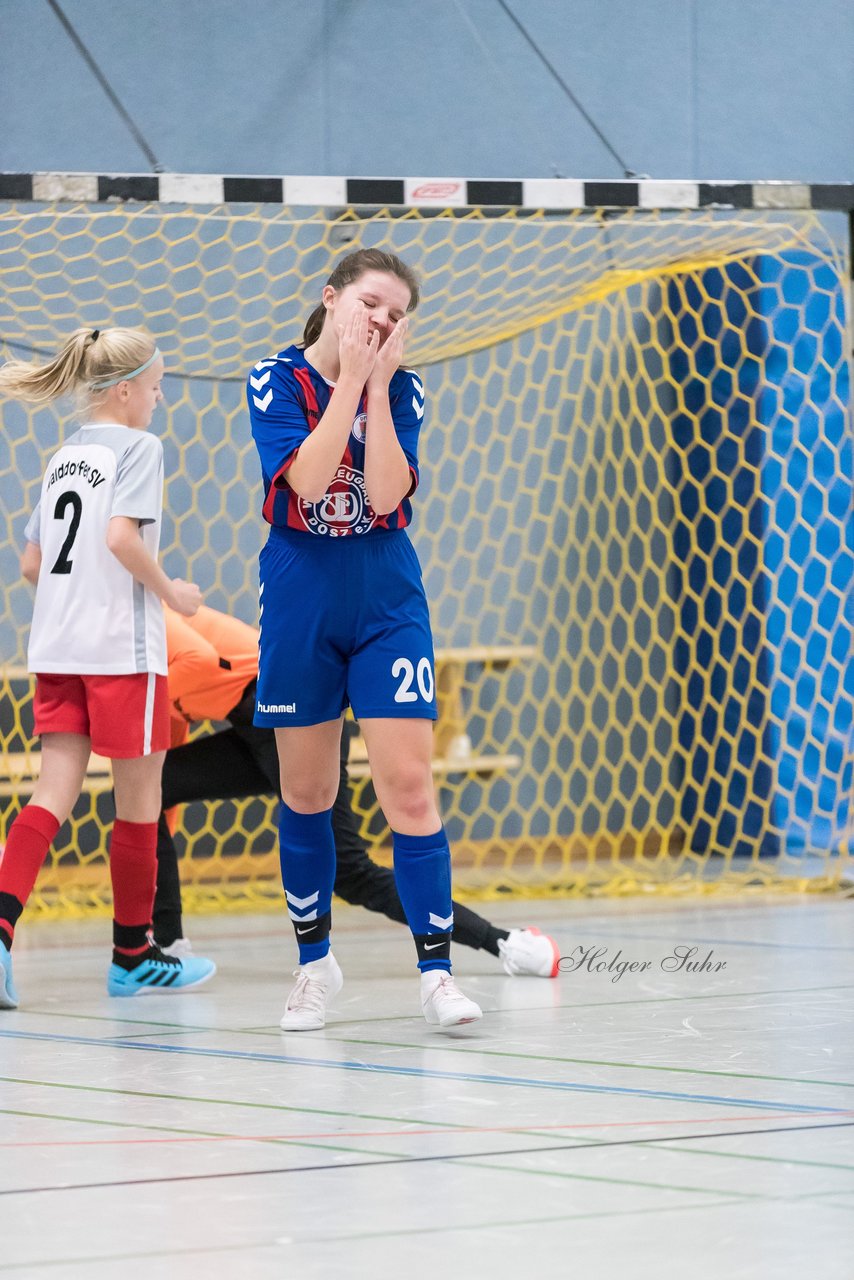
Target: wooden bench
{"x": 453, "y": 753}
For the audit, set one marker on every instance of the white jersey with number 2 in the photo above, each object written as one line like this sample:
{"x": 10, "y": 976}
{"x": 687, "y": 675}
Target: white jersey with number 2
{"x": 91, "y": 616}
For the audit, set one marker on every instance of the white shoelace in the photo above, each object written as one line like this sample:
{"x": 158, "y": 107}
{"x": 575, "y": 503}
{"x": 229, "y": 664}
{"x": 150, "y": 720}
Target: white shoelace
{"x": 447, "y": 988}
{"x": 308, "y": 994}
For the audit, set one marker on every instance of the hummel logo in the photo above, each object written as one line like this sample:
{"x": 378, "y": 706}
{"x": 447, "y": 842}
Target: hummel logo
{"x": 430, "y": 946}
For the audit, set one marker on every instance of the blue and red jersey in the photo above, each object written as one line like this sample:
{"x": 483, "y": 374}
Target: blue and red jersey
{"x": 287, "y": 398}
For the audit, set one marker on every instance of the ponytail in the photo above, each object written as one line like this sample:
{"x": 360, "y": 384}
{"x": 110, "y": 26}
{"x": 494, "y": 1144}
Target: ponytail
{"x": 88, "y": 358}
{"x": 313, "y": 326}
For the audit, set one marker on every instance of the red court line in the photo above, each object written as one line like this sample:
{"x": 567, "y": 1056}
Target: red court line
{"x": 398, "y": 1133}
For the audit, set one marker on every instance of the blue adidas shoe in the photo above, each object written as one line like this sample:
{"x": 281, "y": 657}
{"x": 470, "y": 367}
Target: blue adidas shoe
{"x": 8, "y": 994}
{"x": 159, "y": 973}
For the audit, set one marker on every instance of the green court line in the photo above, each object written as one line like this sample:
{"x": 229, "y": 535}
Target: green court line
{"x": 142, "y": 1035}
{"x": 593, "y": 1143}
{"x": 720, "y": 995}
{"x": 100, "y": 1017}
{"x": 679, "y": 1149}
{"x": 504, "y": 1053}
{"x": 274, "y": 1031}
{"x": 727, "y": 1202}
{"x": 608, "y": 1004}
{"x": 269, "y": 1029}
{"x": 261, "y": 1139}
{"x": 248, "y": 1249}
{"x": 613, "y": 1004}
{"x": 439, "y": 1125}
{"x": 232, "y": 1102}
{"x": 202, "y": 1133}
{"x": 829, "y": 1204}
{"x": 474, "y": 1162}
{"x": 590, "y": 1062}
{"x": 479, "y": 1163}
{"x": 742, "y": 1155}
{"x": 450, "y": 1047}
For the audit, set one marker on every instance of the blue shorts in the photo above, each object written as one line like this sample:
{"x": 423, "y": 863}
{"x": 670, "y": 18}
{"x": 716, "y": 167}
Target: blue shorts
{"x": 343, "y": 620}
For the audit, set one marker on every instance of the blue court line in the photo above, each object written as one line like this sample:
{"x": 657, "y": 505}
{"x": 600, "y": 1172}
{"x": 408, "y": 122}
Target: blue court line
{"x": 287, "y": 1060}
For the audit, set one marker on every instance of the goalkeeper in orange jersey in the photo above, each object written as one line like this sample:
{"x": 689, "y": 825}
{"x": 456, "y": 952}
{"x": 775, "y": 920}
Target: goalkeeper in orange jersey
{"x": 213, "y": 665}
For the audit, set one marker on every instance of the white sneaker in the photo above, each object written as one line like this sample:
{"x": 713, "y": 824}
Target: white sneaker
{"x": 317, "y": 984}
{"x": 527, "y": 951}
{"x": 179, "y": 948}
{"x": 443, "y": 1002}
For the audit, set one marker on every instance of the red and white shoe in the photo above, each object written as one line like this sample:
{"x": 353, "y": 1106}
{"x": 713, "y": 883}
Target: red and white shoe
{"x": 529, "y": 952}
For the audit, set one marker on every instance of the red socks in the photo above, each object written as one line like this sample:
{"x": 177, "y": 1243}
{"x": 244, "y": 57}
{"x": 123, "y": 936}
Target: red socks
{"x": 30, "y": 837}
{"x": 133, "y": 871}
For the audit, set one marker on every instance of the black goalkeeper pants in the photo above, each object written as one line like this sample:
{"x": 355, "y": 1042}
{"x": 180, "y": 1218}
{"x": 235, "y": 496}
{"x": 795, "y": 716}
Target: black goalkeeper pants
{"x": 241, "y": 762}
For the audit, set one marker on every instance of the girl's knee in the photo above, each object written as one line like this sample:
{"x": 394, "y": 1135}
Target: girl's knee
{"x": 413, "y": 812}
{"x": 308, "y": 795}
{"x": 137, "y": 787}
{"x": 408, "y": 796}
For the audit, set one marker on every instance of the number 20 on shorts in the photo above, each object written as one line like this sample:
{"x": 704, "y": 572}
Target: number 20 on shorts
{"x": 403, "y": 670}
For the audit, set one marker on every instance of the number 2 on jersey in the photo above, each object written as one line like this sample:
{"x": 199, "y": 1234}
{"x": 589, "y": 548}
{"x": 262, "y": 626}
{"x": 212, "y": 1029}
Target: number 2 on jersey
{"x": 405, "y": 692}
{"x": 63, "y": 502}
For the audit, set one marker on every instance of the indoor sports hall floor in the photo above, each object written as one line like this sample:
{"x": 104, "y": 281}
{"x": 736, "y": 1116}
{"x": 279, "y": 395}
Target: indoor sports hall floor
{"x": 666, "y": 1124}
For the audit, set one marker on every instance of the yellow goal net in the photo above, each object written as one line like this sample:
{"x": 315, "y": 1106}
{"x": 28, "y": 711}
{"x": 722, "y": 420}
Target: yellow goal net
{"x": 635, "y": 522}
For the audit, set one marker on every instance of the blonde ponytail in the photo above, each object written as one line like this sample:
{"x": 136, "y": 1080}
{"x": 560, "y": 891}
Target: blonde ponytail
{"x": 88, "y": 357}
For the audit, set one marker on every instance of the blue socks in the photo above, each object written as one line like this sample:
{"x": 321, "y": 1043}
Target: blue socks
{"x": 422, "y": 872}
{"x": 307, "y": 855}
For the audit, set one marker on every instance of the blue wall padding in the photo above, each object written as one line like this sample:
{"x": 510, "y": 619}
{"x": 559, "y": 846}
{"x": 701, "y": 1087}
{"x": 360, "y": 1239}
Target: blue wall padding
{"x": 775, "y": 461}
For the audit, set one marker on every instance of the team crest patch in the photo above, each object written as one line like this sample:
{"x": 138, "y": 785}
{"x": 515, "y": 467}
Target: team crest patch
{"x": 359, "y": 425}
{"x": 344, "y": 509}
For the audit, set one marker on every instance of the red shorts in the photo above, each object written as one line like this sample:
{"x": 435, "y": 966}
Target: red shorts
{"x": 125, "y": 716}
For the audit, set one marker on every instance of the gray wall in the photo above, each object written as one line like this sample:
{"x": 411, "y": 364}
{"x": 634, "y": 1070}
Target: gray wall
{"x": 746, "y": 89}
